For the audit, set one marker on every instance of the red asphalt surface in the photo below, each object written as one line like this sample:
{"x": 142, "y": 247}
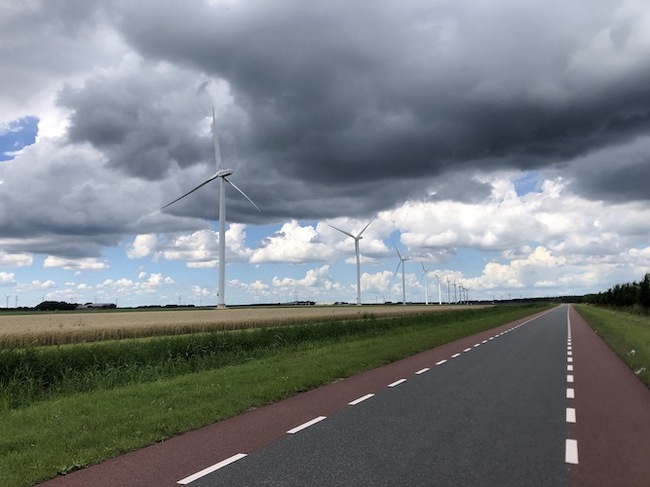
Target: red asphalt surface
{"x": 612, "y": 429}
{"x": 612, "y": 415}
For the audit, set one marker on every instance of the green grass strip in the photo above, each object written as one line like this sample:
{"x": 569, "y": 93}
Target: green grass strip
{"x": 627, "y": 334}
{"x": 62, "y": 434}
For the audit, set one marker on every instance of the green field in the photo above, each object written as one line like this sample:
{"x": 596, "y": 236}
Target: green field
{"x": 627, "y": 334}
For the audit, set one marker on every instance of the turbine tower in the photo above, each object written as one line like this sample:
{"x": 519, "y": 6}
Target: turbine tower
{"x": 426, "y": 284}
{"x": 356, "y": 252}
{"x": 401, "y": 263}
{"x": 439, "y": 293}
{"x": 222, "y": 174}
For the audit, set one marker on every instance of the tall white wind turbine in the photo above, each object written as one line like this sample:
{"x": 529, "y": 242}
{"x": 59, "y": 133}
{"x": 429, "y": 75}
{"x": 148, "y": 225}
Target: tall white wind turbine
{"x": 356, "y": 252}
{"x": 222, "y": 174}
{"x": 401, "y": 263}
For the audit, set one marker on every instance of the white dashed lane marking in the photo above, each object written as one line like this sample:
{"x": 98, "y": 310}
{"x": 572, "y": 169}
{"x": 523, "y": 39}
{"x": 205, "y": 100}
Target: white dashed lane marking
{"x": 211, "y": 469}
{"x": 571, "y": 446}
{"x": 361, "y": 399}
{"x": 422, "y": 371}
{"x": 397, "y": 382}
{"x": 570, "y": 415}
{"x": 306, "y": 425}
{"x": 571, "y": 452}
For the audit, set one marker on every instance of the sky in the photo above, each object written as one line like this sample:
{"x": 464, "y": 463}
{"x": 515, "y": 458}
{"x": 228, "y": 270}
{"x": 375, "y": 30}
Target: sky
{"x": 502, "y": 145}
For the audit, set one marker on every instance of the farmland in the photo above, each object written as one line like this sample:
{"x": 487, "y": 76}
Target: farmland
{"x": 86, "y": 326}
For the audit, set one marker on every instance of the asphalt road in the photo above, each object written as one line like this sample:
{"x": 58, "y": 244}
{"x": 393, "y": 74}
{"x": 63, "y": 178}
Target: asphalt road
{"x": 494, "y": 413}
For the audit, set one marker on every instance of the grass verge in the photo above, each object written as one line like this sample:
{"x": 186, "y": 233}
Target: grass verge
{"x": 61, "y": 434}
{"x": 627, "y": 334}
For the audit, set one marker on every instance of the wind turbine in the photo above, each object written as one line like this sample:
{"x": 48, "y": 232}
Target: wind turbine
{"x": 222, "y": 174}
{"x": 401, "y": 263}
{"x": 426, "y": 284}
{"x": 356, "y": 252}
{"x": 439, "y": 293}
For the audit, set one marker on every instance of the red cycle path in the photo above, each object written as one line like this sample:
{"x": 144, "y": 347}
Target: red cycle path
{"x": 612, "y": 415}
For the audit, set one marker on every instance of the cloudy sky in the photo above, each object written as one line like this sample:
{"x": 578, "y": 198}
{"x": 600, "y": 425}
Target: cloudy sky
{"x": 502, "y": 144}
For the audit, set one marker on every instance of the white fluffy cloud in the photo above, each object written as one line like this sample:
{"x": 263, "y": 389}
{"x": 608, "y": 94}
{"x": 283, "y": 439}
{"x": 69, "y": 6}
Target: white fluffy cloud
{"x": 314, "y": 278}
{"x": 15, "y": 260}
{"x": 198, "y": 249}
{"x": 142, "y": 246}
{"x": 88, "y": 264}
{"x": 293, "y": 243}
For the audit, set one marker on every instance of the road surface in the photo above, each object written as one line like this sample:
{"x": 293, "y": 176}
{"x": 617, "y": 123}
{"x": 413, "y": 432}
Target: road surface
{"x": 540, "y": 401}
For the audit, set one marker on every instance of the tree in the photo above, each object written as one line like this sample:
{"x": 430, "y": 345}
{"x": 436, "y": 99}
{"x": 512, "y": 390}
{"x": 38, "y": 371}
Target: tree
{"x": 644, "y": 291}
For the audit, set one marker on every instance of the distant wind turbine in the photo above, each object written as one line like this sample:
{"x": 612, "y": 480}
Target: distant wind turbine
{"x": 426, "y": 287}
{"x": 439, "y": 292}
{"x": 222, "y": 174}
{"x": 426, "y": 284}
{"x": 356, "y": 252}
{"x": 401, "y": 263}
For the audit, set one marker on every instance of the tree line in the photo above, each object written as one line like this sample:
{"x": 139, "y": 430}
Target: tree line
{"x": 628, "y": 294}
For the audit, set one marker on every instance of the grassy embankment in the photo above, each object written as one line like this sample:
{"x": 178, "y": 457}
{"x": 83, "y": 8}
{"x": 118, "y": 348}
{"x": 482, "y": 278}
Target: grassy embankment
{"x": 627, "y": 334}
{"x": 66, "y": 407}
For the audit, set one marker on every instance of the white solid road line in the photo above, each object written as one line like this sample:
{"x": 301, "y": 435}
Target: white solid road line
{"x": 571, "y": 451}
{"x": 422, "y": 371}
{"x": 211, "y": 469}
{"x": 361, "y": 399}
{"x": 397, "y": 382}
{"x": 306, "y": 425}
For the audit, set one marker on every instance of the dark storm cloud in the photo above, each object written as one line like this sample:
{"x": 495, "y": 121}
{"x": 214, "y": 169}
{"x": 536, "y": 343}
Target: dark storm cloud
{"x": 349, "y": 108}
{"x": 127, "y": 117}
{"x": 339, "y": 94}
{"x": 617, "y": 174}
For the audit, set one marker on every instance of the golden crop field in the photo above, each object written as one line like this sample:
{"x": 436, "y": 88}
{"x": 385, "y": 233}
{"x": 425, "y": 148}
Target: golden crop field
{"x": 68, "y": 327}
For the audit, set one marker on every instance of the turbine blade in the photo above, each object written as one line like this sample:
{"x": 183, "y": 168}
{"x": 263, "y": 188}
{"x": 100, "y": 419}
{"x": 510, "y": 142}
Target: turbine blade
{"x": 397, "y": 250}
{"x": 215, "y": 142}
{"x": 395, "y": 273}
{"x": 241, "y": 192}
{"x": 364, "y": 228}
{"x": 214, "y": 176}
{"x": 343, "y": 231}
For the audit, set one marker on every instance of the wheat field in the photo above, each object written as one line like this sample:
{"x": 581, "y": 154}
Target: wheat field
{"x": 70, "y": 327}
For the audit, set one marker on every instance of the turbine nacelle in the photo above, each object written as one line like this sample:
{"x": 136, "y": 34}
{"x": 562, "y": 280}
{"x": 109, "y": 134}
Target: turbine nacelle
{"x": 222, "y": 173}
